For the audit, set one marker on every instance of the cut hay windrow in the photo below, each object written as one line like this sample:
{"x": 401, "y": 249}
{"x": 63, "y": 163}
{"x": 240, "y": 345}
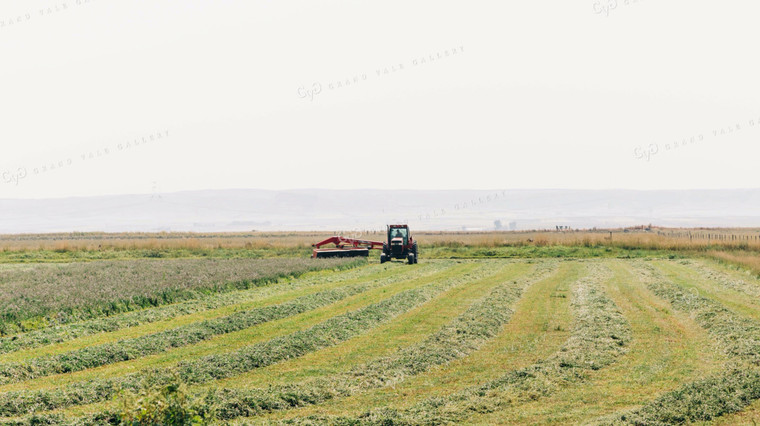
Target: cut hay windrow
{"x": 702, "y": 400}
{"x": 729, "y": 391}
{"x": 328, "y": 333}
{"x": 600, "y": 335}
{"x": 738, "y": 336}
{"x": 465, "y": 334}
{"x": 68, "y": 332}
{"x": 124, "y": 350}
{"x": 749, "y": 285}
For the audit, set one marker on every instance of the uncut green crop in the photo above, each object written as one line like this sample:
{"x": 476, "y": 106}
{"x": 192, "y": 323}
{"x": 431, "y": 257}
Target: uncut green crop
{"x": 66, "y": 332}
{"x": 43, "y": 295}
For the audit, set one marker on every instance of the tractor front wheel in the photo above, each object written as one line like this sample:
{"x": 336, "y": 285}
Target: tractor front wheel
{"x": 383, "y": 258}
{"x": 411, "y": 259}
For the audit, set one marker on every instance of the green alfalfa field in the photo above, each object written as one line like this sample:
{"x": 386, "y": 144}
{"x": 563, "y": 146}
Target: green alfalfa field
{"x": 561, "y": 335}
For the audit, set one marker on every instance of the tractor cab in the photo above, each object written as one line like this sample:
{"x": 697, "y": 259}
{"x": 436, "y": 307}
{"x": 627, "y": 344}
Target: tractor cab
{"x": 398, "y": 234}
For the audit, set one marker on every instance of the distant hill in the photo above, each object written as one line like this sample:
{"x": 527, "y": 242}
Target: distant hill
{"x": 246, "y": 210}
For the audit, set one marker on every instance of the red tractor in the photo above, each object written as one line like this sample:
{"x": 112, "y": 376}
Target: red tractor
{"x": 400, "y": 245}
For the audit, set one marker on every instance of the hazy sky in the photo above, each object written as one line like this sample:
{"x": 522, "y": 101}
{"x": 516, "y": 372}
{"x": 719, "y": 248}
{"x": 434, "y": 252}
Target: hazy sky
{"x": 477, "y": 95}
